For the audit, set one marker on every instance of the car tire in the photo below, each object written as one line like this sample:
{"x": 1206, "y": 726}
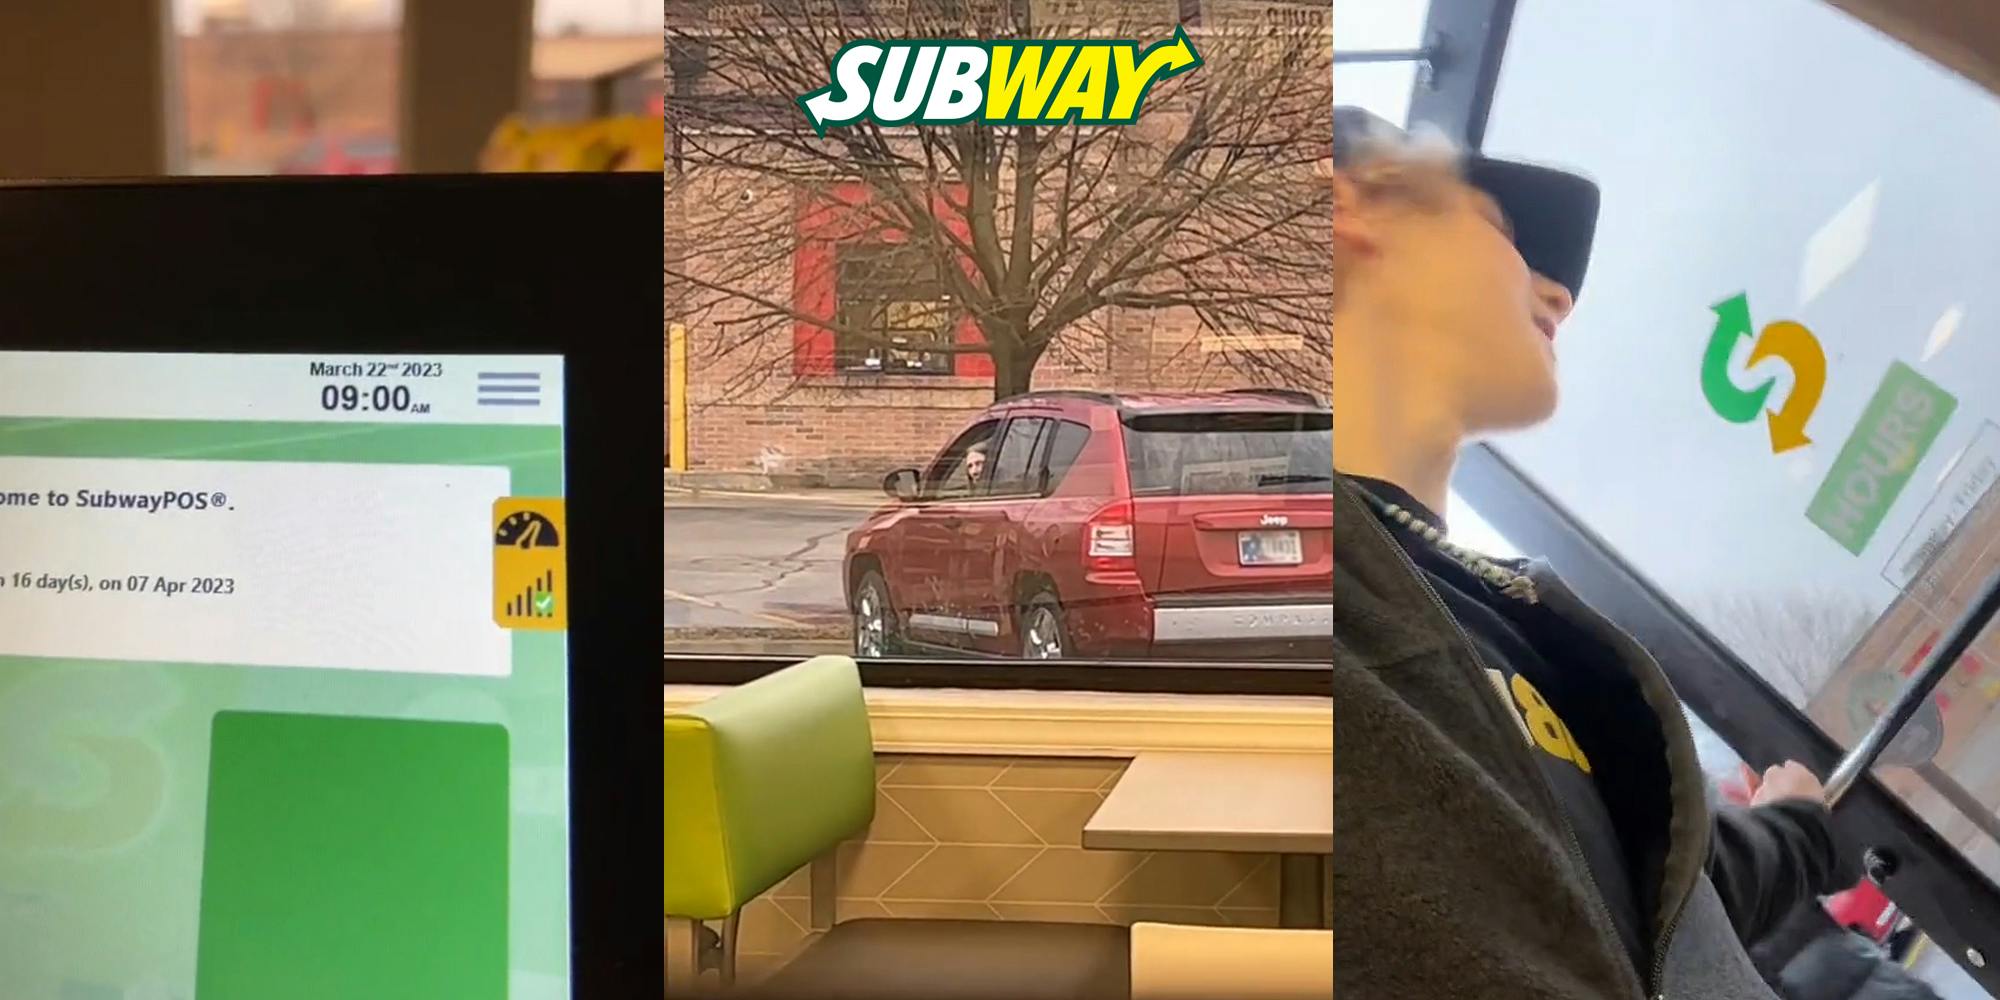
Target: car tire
{"x": 1043, "y": 636}
{"x": 874, "y": 619}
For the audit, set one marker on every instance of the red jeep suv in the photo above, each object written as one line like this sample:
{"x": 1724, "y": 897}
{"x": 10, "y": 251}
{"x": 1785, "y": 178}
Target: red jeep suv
{"x": 1085, "y": 525}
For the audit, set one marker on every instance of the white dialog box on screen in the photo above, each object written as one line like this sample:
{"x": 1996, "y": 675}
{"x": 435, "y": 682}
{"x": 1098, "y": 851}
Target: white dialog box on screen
{"x": 273, "y": 564}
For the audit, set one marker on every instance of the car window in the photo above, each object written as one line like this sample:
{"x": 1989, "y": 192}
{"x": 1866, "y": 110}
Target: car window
{"x": 948, "y": 477}
{"x": 1060, "y": 449}
{"x": 1197, "y": 454}
{"x": 1010, "y": 472}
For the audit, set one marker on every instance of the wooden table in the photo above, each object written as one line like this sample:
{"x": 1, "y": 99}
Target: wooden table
{"x": 1254, "y": 803}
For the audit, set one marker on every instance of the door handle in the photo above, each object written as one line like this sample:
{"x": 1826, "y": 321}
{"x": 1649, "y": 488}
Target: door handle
{"x": 1942, "y": 658}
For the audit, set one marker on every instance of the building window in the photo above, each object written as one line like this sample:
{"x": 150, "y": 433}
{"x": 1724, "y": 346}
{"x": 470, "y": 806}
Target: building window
{"x": 894, "y": 313}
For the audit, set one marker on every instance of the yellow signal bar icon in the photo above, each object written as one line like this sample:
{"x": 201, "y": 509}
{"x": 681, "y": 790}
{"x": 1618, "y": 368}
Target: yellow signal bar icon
{"x": 530, "y": 569}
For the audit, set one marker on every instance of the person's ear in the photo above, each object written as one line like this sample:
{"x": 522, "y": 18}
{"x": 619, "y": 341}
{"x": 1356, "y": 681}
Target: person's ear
{"x": 1355, "y": 228}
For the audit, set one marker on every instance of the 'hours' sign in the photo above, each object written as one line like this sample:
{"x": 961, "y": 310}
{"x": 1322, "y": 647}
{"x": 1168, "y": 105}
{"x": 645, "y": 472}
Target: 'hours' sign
{"x": 1898, "y": 427}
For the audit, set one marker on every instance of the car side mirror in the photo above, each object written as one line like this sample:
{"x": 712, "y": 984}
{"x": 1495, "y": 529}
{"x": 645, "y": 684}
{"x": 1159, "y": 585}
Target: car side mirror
{"x": 901, "y": 484}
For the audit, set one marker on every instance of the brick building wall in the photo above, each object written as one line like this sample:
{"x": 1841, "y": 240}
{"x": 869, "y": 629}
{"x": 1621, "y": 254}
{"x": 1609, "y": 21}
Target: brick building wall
{"x": 747, "y": 413}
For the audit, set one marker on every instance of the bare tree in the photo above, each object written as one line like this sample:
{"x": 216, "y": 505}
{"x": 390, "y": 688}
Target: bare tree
{"x": 1795, "y": 640}
{"x": 1042, "y": 238}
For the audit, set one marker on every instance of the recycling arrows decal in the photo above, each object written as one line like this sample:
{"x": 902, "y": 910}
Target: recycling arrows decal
{"x": 1785, "y": 340}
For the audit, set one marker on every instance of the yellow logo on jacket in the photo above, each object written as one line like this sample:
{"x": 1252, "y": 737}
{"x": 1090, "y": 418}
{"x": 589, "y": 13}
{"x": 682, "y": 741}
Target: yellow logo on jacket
{"x": 1537, "y": 720}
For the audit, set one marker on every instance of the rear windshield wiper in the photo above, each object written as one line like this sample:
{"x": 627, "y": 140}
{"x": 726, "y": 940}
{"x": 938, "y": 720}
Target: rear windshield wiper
{"x": 1289, "y": 479}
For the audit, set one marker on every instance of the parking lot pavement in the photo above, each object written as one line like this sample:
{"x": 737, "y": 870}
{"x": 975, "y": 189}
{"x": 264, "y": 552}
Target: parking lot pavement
{"x": 757, "y": 569}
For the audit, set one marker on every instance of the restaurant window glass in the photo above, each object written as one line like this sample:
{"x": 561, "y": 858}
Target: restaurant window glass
{"x": 287, "y": 86}
{"x": 850, "y": 303}
{"x": 1779, "y": 385}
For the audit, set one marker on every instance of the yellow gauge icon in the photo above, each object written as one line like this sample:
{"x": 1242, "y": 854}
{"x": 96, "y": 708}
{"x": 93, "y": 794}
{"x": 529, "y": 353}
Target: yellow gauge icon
{"x": 530, "y": 571}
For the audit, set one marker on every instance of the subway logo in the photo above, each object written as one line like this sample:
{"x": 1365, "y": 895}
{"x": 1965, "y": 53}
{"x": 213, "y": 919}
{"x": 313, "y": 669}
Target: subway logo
{"x": 948, "y": 82}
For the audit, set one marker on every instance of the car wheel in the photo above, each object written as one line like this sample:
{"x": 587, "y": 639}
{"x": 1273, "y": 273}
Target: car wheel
{"x": 874, "y": 617}
{"x": 1042, "y": 633}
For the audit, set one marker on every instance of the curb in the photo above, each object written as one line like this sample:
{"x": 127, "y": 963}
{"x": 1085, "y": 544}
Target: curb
{"x": 799, "y": 648}
{"x": 745, "y": 482}
{"x": 759, "y": 482}
{"x": 695, "y": 633}
{"x": 756, "y": 641}
{"x": 849, "y": 499}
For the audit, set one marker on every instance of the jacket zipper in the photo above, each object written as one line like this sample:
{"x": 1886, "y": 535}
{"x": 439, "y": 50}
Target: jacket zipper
{"x": 1656, "y": 982}
{"x": 1656, "y": 985}
{"x": 1569, "y": 830}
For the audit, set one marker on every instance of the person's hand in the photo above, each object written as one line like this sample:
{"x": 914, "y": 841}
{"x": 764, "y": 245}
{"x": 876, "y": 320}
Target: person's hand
{"x": 1790, "y": 780}
{"x": 1737, "y": 790}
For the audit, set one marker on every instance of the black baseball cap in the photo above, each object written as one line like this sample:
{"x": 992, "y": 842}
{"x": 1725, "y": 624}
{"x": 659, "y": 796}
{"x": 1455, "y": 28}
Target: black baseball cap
{"x": 1554, "y": 213}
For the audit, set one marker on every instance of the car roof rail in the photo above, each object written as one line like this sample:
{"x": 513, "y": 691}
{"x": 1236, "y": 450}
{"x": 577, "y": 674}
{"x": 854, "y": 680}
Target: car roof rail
{"x": 1296, "y": 395}
{"x": 1095, "y": 397}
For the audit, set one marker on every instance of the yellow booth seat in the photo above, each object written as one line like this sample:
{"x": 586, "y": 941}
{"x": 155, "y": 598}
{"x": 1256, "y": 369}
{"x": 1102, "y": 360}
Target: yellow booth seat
{"x": 768, "y": 776}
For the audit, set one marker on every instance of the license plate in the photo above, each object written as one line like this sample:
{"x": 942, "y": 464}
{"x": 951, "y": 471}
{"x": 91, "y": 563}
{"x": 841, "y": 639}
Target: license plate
{"x": 1268, "y": 548}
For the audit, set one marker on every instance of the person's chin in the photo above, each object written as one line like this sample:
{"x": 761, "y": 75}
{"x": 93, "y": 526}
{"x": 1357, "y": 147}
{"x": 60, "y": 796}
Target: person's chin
{"x": 1533, "y": 401}
{"x": 1547, "y": 388}
{"x": 1546, "y": 407}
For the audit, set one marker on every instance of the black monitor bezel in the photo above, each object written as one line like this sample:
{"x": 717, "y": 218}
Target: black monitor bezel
{"x": 536, "y": 264}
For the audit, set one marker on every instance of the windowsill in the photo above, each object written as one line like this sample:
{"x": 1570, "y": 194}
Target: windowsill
{"x": 1079, "y": 723}
{"x": 871, "y": 380}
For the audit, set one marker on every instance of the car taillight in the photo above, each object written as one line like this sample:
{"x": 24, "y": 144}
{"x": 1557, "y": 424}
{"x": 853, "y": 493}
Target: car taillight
{"x": 1108, "y": 538}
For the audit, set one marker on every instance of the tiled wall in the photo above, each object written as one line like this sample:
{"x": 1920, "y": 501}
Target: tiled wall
{"x": 997, "y": 838}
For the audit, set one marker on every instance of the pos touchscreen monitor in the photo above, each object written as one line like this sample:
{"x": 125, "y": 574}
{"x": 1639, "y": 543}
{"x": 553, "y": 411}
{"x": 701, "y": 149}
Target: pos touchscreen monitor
{"x": 312, "y": 637}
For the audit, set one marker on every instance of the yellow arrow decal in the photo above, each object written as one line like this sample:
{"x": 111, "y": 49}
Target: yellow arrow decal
{"x": 1799, "y": 349}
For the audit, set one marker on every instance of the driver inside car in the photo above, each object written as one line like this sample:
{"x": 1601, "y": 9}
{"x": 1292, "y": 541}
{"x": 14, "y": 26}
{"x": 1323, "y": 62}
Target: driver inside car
{"x": 975, "y": 465}
{"x": 963, "y": 480}
{"x": 1520, "y": 808}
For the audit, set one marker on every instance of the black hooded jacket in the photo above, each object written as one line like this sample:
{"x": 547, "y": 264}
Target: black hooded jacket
{"x": 1453, "y": 875}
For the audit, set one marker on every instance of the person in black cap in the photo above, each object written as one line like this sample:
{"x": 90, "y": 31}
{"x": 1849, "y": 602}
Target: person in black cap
{"x": 1518, "y": 807}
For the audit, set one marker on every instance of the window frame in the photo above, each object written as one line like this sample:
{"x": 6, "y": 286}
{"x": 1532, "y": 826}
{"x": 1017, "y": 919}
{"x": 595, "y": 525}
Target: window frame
{"x": 1458, "y": 65}
{"x": 1050, "y": 478}
{"x": 1464, "y": 41}
{"x": 1302, "y": 679}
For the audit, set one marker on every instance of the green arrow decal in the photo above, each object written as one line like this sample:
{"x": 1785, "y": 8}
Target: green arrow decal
{"x": 1738, "y": 406}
